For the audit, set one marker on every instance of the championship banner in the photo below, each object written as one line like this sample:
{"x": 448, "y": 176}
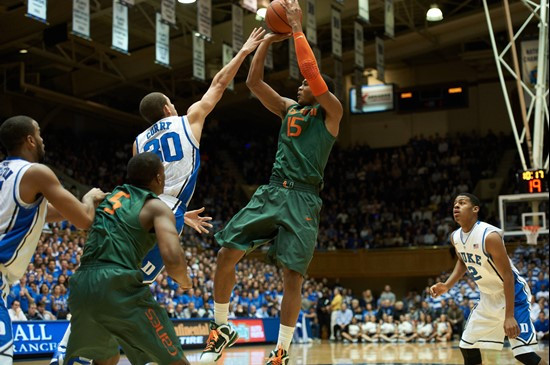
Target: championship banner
{"x": 380, "y": 68}
{"x": 529, "y": 61}
{"x": 226, "y": 58}
{"x": 168, "y": 11}
{"x": 294, "y": 71}
{"x": 311, "y": 25}
{"x": 120, "y": 27}
{"x": 250, "y": 5}
{"x": 364, "y": 10}
{"x": 81, "y": 18}
{"x": 199, "y": 71}
{"x": 162, "y": 42}
{"x": 269, "y": 58}
{"x": 389, "y": 20}
{"x": 237, "y": 24}
{"x": 36, "y": 9}
{"x": 204, "y": 18}
{"x": 359, "y": 46}
{"x": 336, "y": 33}
{"x": 339, "y": 79}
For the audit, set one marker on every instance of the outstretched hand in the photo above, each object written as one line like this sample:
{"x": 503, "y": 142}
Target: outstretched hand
{"x": 198, "y": 223}
{"x": 276, "y": 37}
{"x": 255, "y": 38}
{"x": 293, "y": 11}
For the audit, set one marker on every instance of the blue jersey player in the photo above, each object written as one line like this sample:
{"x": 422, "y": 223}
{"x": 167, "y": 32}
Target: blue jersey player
{"x": 30, "y": 195}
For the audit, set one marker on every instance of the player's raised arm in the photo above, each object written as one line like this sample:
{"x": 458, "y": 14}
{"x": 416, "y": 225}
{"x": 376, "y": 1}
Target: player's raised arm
{"x": 40, "y": 180}
{"x": 197, "y": 112}
{"x": 310, "y": 70}
{"x": 497, "y": 251}
{"x": 274, "y": 102}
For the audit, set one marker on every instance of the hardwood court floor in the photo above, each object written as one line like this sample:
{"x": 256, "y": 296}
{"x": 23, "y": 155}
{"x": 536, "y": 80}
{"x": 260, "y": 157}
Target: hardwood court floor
{"x": 327, "y": 353}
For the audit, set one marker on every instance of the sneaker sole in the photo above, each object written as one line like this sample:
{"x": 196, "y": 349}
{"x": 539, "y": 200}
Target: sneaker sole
{"x": 230, "y": 343}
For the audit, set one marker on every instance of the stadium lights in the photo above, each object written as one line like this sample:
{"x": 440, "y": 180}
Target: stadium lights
{"x": 186, "y": 1}
{"x": 434, "y": 14}
{"x": 23, "y": 51}
{"x": 406, "y": 95}
{"x": 455, "y": 90}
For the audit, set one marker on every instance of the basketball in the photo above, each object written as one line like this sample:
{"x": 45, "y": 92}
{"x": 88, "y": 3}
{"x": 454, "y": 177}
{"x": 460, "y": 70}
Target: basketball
{"x": 275, "y": 18}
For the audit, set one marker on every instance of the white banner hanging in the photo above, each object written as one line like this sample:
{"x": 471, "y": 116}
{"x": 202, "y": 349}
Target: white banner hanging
{"x": 237, "y": 23}
{"x": 81, "y": 18}
{"x": 380, "y": 68}
{"x": 120, "y": 27}
{"x": 226, "y": 58}
{"x": 36, "y": 9}
{"x": 168, "y": 11}
{"x": 199, "y": 70}
{"x": 336, "y": 33}
{"x": 359, "y": 46}
{"x": 339, "y": 79}
{"x": 204, "y": 18}
{"x": 529, "y": 62}
{"x": 389, "y": 19}
{"x": 128, "y": 2}
{"x": 311, "y": 25}
{"x": 364, "y": 10}
{"x": 162, "y": 42}
{"x": 294, "y": 71}
{"x": 250, "y": 5}
{"x": 269, "y": 58}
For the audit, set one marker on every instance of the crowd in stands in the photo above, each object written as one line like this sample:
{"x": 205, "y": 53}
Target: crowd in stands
{"x": 327, "y": 311}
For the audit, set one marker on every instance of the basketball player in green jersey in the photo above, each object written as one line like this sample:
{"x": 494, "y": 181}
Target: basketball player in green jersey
{"x": 287, "y": 210}
{"x": 111, "y": 306}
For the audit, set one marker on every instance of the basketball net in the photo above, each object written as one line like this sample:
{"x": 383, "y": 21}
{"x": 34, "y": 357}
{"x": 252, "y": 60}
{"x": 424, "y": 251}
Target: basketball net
{"x": 532, "y": 233}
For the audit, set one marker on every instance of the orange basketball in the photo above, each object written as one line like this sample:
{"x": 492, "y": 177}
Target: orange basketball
{"x": 275, "y": 18}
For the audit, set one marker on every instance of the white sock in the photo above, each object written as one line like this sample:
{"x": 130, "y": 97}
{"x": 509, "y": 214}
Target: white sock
{"x": 221, "y": 312}
{"x": 65, "y": 340}
{"x": 285, "y": 336}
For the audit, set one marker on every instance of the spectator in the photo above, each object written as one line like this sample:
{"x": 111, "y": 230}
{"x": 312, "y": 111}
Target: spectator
{"x": 456, "y": 317}
{"x": 16, "y": 313}
{"x": 343, "y": 318}
{"x": 387, "y": 294}
{"x": 352, "y": 332}
{"x": 32, "y": 314}
{"x": 541, "y": 327}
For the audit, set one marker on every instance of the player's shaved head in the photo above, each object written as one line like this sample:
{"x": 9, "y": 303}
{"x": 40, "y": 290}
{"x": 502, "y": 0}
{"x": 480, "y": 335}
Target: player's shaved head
{"x": 152, "y": 106}
{"x": 143, "y": 168}
{"x": 14, "y": 130}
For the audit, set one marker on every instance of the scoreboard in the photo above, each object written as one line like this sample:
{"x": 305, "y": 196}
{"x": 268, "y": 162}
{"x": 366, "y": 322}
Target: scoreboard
{"x": 532, "y": 181}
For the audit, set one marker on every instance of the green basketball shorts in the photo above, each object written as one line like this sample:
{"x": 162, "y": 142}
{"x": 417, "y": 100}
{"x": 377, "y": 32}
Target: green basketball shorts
{"x": 111, "y": 306}
{"x": 287, "y": 216}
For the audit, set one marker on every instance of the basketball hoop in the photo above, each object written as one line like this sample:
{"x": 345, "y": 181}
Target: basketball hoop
{"x": 532, "y": 233}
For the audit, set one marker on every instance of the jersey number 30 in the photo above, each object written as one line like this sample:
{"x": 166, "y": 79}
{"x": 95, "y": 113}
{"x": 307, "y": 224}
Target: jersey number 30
{"x": 167, "y": 147}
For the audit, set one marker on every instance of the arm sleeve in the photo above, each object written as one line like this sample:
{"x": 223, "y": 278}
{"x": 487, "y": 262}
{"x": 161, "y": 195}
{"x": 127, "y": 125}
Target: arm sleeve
{"x": 308, "y": 65}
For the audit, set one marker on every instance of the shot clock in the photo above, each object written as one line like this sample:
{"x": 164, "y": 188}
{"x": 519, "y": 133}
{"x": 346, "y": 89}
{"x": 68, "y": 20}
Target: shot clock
{"x": 532, "y": 181}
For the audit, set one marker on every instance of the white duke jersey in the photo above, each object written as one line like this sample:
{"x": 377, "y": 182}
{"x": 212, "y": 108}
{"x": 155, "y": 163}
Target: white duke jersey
{"x": 471, "y": 248}
{"x": 20, "y": 223}
{"x": 173, "y": 141}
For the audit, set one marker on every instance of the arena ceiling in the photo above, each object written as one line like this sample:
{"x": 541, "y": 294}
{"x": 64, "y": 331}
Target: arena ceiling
{"x": 66, "y": 72}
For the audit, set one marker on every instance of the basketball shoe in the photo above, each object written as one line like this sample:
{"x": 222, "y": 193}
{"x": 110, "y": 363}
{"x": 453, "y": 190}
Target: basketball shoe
{"x": 279, "y": 356}
{"x": 219, "y": 338}
{"x": 59, "y": 356}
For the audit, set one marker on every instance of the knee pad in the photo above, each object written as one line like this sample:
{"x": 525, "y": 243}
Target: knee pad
{"x": 529, "y": 358}
{"x": 471, "y": 356}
